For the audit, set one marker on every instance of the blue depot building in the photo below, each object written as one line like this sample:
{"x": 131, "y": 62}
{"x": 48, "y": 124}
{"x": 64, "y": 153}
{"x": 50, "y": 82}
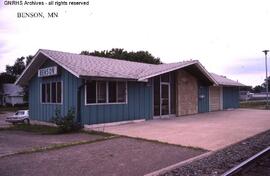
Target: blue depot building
{"x": 104, "y": 90}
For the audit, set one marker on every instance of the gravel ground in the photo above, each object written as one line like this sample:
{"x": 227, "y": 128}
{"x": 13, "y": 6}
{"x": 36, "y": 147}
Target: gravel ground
{"x": 222, "y": 160}
{"x": 17, "y": 141}
{"x": 119, "y": 156}
{"x": 260, "y": 168}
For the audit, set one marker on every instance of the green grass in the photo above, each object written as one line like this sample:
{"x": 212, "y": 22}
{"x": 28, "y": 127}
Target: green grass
{"x": 58, "y": 146}
{"x": 253, "y": 104}
{"x": 45, "y": 129}
{"x": 41, "y": 129}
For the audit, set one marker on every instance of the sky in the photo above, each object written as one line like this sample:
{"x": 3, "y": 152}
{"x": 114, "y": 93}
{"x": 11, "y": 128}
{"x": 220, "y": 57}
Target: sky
{"x": 226, "y": 36}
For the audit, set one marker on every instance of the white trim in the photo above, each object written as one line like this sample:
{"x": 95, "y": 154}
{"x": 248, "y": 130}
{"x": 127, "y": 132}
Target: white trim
{"x": 199, "y": 65}
{"x": 75, "y": 74}
{"x": 207, "y": 73}
{"x": 34, "y": 58}
{"x": 169, "y": 100}
{"x": 62, "y": 93}
{"x": 102, "y": 125}
{"x": 166, "y": 71}
{"x": 107, "y": 95}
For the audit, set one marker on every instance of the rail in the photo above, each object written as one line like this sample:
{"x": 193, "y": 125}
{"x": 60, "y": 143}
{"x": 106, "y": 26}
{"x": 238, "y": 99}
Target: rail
{"x": 240, "y": 166}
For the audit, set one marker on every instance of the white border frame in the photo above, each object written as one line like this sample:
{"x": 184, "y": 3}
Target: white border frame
{"x": 107, "y": 95}
{"x": 50, "y": 103}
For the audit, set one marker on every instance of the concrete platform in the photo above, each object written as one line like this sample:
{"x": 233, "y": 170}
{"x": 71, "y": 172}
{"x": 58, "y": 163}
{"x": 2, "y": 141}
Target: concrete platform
{"x": 209, "y": 131}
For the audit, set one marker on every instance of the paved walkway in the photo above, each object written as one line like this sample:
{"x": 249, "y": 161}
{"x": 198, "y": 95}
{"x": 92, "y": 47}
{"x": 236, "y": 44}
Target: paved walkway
{"x": 210, "y": 131}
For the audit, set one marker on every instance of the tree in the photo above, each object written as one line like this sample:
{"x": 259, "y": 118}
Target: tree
{"x": 19, "y": 66}
{"x": 262, "y": 87}
{"x": 119, "y": 53}
{"x": 258, "y": 89}
{"x": 14, "y": 71}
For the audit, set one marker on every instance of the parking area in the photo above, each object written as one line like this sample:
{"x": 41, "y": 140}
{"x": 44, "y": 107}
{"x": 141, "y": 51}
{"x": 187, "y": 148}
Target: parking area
{"x": 209, "y": 131}
{"x": 117, "y": 156}
{"x": 3, "y": 116}
{"x": 18, "y": 141}
{"x": 100, "y": 154}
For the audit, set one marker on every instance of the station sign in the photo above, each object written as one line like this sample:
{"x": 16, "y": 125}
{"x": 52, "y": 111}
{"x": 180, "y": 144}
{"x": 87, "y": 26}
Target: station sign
{"x": 49, "y": 71}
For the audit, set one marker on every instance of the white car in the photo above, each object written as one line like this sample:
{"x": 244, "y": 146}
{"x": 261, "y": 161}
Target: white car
{"x": 19, "y": 116}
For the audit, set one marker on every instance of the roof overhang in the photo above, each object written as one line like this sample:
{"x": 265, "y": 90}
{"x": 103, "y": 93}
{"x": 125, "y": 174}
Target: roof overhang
{"x": 31, "y": 69}
{"x": 195, "y": 62}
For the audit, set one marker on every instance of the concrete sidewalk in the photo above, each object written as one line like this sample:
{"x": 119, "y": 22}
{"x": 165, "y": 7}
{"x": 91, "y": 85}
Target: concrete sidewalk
{"x": 210, "y": 131}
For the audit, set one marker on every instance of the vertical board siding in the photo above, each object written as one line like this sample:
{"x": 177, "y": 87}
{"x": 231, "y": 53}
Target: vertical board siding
{"x": 214, "y": 98}
{"x": 203, "y": 103}
{"x": 45, "y": 112}
{"x": 230, "y": 97}
{"x": 139, "y": 106}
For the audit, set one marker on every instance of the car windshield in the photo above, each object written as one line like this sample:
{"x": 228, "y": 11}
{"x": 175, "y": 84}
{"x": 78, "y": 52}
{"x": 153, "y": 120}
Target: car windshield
{"x": 19, "y": 113}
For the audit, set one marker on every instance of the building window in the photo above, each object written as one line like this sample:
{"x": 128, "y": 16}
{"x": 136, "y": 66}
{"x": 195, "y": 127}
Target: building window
{"x": 59, "y": 92}
{"x": 112, "y": 92}
{"x": 121, "y": 92}
{"x": 91, "y": 92}
{"x": 101, "y": 92}
{"x": 106, "y": 92}
{"x": 51, "y": 92}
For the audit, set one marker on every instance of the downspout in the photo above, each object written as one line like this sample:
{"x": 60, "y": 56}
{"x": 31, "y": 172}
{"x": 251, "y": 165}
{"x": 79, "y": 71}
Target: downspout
{"x": 79, "y": 118}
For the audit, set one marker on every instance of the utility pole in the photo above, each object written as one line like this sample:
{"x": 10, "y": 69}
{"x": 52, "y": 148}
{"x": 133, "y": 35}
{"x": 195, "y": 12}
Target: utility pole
{"x": 266, "y": 75}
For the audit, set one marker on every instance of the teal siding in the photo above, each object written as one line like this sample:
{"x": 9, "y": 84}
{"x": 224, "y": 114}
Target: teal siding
{"x": 139, "y": 104}
{"x": 45, "y": 112}
{"x": 230, "y": 97}
{"x": 203, "y": 99}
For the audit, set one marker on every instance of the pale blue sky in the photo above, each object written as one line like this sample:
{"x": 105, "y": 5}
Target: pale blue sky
{"x": 226, "y": 36}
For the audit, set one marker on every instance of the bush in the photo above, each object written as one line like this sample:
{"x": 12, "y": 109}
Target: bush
{"x": 67, "y": 123}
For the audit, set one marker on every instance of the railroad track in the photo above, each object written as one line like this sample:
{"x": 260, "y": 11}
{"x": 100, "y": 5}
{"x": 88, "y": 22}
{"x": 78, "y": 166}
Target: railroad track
{"x": 240, "y": 167}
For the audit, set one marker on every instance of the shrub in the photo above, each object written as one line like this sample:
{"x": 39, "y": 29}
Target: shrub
{"x": 66, "y": 123}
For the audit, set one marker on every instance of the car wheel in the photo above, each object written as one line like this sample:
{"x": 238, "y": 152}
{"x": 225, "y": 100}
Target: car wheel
{"x": 27, "y": 121}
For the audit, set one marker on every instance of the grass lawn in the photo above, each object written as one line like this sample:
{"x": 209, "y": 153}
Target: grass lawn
{"x": 45, "y": 129}
{"x": 259, "y": 104}
{"x": 41, "y": 129}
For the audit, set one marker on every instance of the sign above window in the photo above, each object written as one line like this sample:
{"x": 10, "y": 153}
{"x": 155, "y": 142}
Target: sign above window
{"x": 49, "y": 71}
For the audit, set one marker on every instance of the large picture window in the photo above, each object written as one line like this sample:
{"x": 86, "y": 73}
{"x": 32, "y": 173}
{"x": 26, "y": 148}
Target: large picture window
{"x": 106, "y": 92}
{"x": 51, "y": 92}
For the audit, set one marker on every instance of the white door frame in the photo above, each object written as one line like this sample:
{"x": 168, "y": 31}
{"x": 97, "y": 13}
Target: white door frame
{"x": 169, "y": 98}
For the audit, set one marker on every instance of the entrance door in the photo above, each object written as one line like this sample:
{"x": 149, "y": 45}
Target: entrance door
{"x": 203, "y": 99}
{"x": 165, "y": 99}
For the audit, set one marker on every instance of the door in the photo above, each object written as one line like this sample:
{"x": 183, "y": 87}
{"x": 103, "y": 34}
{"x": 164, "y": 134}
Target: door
{"x": 165, "y": 99}
{"x": 230, "y": 97}
{"x": 203, "y": 99}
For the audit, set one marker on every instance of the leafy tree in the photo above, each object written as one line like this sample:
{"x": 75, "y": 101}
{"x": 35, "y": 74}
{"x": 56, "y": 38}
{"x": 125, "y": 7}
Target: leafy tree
{"x": 6, "y": 78}
{"x": 119, "y": 53}
{"x": 19, "y": 66}
{"x": 262, "y": 87}
{"x": 14, "y": 71}
{"x": 258, "y": 89}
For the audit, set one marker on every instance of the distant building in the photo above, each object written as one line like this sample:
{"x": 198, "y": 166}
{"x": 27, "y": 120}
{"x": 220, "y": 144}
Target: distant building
{"x": 11, "y": 94}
